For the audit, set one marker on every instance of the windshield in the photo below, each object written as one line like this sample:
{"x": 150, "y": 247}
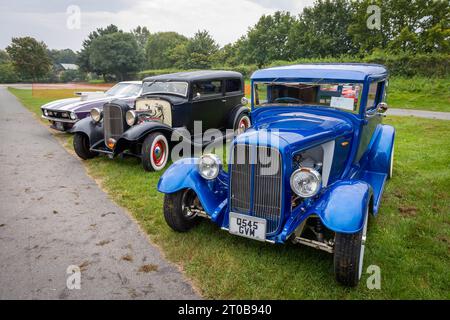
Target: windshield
{"x": 124, "y": 89}
{"x": 167, "y": 87}
{"x": 344, "y": 96}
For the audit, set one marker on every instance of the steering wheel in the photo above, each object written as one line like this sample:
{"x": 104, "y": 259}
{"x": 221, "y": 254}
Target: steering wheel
{"x": 288, "y": 99}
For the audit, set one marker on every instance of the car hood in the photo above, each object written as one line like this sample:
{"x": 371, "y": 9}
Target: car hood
{"x": 76, "y": 104}
{"x": 294, "y": 129}
{"x": 173, "y": 99}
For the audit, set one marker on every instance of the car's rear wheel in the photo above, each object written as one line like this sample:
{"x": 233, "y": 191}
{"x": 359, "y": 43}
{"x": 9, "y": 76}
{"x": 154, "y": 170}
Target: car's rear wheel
{"x": 349, "y": 255}
{"x": 155, "y": 152}
{"x": 243, "y": 122}
{"x": 81, "y": 145}
{"x": 179, "y": 210}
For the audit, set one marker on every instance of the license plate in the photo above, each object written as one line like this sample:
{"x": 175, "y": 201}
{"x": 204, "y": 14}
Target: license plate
{"x": 248, "y": 226}
{"x": 59, "y": 126}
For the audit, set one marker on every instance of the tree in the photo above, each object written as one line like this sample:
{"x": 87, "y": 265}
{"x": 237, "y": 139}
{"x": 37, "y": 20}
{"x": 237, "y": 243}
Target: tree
{"x": 117, "y": 53}
{"x": 406, "y": 41}
{"x": 84, "y": 54}
{"x": 322, "y": 30}
{"x": 4, "y": 57}
{"x": 199, "y": 51}
{"x": 29, "y": 58}
{"x": 436, "y": 38}
{"x": 62, "y": 56}
{"x": 159, "y": 49}
{"x": 422, "y": 24}
{"x": 267, "y": 40}
{"x": 7, "y": 73}
{"x": 141, "y": 34}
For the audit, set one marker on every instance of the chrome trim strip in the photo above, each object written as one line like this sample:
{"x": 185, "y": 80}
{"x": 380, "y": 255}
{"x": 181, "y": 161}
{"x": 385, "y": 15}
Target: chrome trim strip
{"x": 59, "y": 119}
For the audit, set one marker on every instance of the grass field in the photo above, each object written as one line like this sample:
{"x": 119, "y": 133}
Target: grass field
{"x": 409, "y": 240}
{"x": 420, "y": 93}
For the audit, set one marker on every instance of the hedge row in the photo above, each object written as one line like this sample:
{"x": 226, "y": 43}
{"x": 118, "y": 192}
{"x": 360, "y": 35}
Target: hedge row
{"x": 405, "y": 65}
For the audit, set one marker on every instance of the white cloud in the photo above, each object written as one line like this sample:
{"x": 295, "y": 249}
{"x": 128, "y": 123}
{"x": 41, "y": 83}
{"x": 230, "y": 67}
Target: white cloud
{"x": 225, "y": 20}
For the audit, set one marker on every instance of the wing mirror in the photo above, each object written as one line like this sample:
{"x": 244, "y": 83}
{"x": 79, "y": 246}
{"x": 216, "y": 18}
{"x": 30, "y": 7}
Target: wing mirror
{"x": 382, "y": 107}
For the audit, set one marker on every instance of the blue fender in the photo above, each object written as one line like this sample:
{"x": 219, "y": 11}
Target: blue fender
{"x": 184, "y": 174}
{"x": 93, "y": 130}
{"x": 342, "y": 208}
{"x": 380, "y": 153}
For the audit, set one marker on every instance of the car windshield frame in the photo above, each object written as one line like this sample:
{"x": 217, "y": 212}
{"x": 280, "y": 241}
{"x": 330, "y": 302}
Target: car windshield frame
{"x": 150, "y": 84}
{"x": 358, "y": 93}
{"x": 123, "y": 89}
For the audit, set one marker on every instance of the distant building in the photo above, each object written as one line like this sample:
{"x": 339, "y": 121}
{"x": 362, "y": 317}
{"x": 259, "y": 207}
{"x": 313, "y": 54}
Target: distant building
{"x": 69, "y": 66}
{"x": 60, "y": 68}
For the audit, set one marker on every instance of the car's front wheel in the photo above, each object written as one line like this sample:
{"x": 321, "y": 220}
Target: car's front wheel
{"x": 155, "y": 152}
{"x": 349, "y": 255}
{"x": 180, "y": 210}
{"x": 82, "y": 146}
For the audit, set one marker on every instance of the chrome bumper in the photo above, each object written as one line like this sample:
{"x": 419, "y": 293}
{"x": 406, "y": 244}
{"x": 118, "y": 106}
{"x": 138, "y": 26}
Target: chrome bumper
{"x": 59, "y": 119}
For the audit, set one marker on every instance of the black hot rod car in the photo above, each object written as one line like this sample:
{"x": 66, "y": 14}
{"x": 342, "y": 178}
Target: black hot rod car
{"x": 168, "y": 102}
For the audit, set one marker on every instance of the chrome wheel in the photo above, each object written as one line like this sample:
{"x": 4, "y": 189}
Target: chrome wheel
{"x": 188, "y": 204}
{"x": 243, "y": 124}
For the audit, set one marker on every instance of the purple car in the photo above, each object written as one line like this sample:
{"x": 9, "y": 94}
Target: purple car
{"x": 63, "y": 114}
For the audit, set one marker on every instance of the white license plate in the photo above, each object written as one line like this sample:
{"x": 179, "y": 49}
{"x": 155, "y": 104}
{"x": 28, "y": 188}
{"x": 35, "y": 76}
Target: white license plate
{"x": 248, "y": 226}
{"x": 59, "y": 125}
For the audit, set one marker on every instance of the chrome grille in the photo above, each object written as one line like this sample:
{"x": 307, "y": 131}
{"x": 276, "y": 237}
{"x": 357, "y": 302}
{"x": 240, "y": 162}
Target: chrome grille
{"x": 256, "y": 189}
{"x": 59, "y": 114}
{"x": 241, "y": 179}
{"x": 112, "y": 121}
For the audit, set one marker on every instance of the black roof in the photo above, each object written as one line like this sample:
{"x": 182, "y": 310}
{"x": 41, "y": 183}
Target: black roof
{"x": 195, "y": 75}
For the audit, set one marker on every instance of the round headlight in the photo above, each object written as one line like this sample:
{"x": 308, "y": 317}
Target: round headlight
{"x": 209, "y": 166}
{"x": 130, "y": 117}
{"x": 73, "y": 116}
{"x": 46, "y": 112}
{"x": 306, "y": 182}
{"x": 96, "y": 115}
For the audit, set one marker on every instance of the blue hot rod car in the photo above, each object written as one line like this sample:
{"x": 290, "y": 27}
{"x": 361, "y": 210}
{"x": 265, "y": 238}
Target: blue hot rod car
{"x": 311, "y": 168}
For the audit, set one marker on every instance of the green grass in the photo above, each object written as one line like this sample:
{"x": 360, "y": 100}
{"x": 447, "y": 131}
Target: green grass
{"x": 419, "y": 93}
{"x": 409, "y": 240}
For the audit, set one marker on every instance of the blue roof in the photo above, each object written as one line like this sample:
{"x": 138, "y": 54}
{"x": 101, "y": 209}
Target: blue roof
{"x": 337, "y": 71}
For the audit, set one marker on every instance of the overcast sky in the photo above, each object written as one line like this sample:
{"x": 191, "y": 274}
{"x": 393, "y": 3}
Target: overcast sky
{"x": 47, "y": 20}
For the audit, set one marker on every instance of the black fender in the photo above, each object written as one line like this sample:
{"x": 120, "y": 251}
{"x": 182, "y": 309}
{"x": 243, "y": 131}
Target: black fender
{"x": 138, "y": 133}
{"x": 93, "y": 130}
{"x": 235, "y": 113}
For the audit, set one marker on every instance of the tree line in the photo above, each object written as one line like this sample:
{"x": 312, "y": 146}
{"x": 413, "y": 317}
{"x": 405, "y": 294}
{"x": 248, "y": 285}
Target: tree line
{"x": 326, "y": 30}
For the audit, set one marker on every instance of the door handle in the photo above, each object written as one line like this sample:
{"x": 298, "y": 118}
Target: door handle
{"x": 224, "y": 100}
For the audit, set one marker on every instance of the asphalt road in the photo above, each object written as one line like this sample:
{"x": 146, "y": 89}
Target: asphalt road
{"x": 52, "y": 216}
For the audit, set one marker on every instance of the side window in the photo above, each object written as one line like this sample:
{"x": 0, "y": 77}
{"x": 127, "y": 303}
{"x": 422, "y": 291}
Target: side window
{"x": 206, "y": 88}
{"x": 373, "y": 97}
{"x": 233, "y": 85}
